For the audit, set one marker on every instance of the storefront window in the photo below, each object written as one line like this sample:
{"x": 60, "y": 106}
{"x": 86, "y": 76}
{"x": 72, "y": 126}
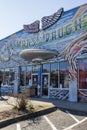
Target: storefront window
{"x": 11, "y": 76}
{"x": 54, "y": 75}
{"x": 64, "y": 74}
{"x": 82, "y": 65}
{"x": 46, "y": 68}
{"x": 2, "y": 75}
{"x": 28, "y": 76}
{"x": 35, "y": 68}
{"x": 22, "y": 76}
{"x": 6, "y": 77}
{"x": 35, "y": 80}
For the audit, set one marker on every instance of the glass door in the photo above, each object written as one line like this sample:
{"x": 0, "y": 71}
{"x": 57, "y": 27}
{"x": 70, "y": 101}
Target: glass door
{"x": 35, "y": 82}
{"x": 45, "y": 84}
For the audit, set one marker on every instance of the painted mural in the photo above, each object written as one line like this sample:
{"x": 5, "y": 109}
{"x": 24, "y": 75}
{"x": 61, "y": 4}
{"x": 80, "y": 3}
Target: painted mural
{"x": 59, "y": 94}
{"x": 48, "y": 21}
{"x": 67, "y": 36}
{"x": 58, "y": 36}
{"x": 32, "y": 28}
{"x": 82, "y": 95}
{"x": 70, "y": 53}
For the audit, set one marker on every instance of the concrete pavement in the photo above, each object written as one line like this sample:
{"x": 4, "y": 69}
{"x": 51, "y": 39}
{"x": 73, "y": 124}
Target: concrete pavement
{"x": 77, "y": 106}
{"x": 6, "y": 101}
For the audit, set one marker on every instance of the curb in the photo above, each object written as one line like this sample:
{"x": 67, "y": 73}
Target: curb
{"x": 5, "y": 123}
{"x": 71, "y": 109}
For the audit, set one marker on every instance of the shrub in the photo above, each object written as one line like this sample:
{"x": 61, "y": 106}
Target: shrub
{"x": 21, "y": 101}
{"x": 31, "y": 107}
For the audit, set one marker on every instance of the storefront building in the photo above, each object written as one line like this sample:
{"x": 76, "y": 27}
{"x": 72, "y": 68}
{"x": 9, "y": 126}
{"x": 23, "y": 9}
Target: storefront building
{"x": 53, "y": 59}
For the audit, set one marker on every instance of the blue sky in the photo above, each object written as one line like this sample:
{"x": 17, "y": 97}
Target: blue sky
{"x": 15, "y": 13}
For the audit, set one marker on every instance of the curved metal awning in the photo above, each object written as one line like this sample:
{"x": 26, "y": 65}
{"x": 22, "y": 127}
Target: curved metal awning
{"x": 37, "y": 55}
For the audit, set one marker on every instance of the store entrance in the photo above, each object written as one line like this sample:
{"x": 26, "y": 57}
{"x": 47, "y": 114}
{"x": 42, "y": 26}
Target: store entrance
{"x": 45, "y": 84}
{"x": 35, "y": 82}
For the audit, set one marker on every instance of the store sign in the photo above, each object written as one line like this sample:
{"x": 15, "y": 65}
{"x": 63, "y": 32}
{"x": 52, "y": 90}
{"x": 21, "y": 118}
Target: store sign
{"x": 71, "y": 23}
{"x": 43, "y": 37}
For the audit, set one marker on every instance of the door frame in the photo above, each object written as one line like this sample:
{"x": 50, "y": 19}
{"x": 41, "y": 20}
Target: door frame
{"x": 33, "y": 74}
{"x": 48, "y": 74}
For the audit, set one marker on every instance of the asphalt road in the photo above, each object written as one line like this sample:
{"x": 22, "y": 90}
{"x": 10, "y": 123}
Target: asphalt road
{"x": 58, "y": 120}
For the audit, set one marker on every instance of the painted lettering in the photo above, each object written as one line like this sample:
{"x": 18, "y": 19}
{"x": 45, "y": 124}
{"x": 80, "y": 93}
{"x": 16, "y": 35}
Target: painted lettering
{"x": 47, "y": 37}
{"x": 77, "y": 24}
{"x": 54, "y": 35}
{"x": 60, "y": 32}
{"x": 68, "y": 29}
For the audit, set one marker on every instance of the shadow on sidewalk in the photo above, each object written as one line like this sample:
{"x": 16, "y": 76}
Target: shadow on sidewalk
{"x": 61, "y": 104}
{"x": 3, "y": 99}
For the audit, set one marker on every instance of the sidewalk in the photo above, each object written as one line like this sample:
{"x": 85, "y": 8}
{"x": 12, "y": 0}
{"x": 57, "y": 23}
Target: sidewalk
{"x": 7, "y": 101}
{"x": 3, "y": 104}
{"x": 77, "y": 106}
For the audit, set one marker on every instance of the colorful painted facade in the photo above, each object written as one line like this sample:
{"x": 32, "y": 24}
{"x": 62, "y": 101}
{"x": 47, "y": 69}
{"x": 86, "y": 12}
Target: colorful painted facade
{"x": 63, "y": 32}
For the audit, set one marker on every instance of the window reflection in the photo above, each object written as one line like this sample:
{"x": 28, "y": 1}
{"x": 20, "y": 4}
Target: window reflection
{"x": 82, "y": 73}
{"x": 6, "y": 76}
{"x": 28, "y": 76}
{"x": 64, "y": 74}
{"x": 35, "y": 80}
{"x": 45, "y": 84}
{"x": 35, "y": 77}
{"x": 11, "y": 76}
{"x": 22, "y": 76}
{"x": 54, "y": 75}
{"x": 2, "y": 75}
{"x": 35, "y": 68}
{"x": 46, "y": 68}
